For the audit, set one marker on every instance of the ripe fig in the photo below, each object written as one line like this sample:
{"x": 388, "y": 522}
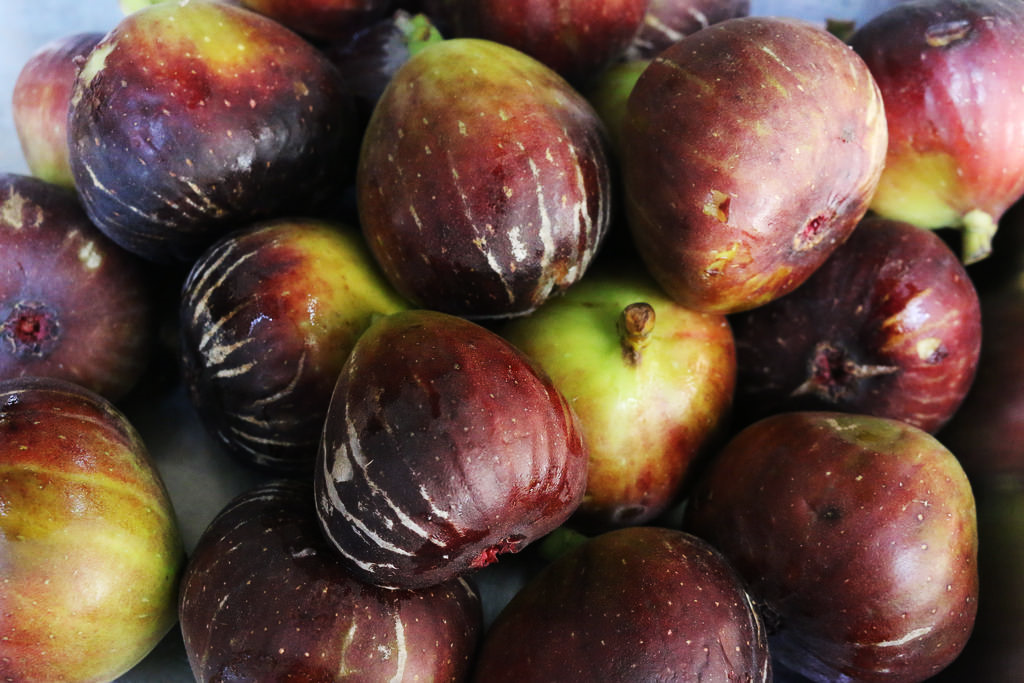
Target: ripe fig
{"x": 443, "y": 447}
{"x": 190, "y": 119}
{"x": 39, "y": 104}
{"x": 576, "y": 38}
{"x": 264, "y": 598}
{"x": 73, "y": 304}
{"x": 857, "y": 538}
{"x": 751, "y": 149}
{"x": 483, "y": 181}
{"x": 90, "y": 548}
{"x": 668, "y": 21}
{"x": 949, "y": 73}
{"x": 268, "y": 315}
{"x": 890, "y": 325}
{"x": 635, "y": 604}
{"x": 650, "y": 381}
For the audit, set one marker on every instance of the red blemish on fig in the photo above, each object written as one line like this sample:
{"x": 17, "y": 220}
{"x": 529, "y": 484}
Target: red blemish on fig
{"x": 32, "y": 328}
{"x": 490, "y": 554}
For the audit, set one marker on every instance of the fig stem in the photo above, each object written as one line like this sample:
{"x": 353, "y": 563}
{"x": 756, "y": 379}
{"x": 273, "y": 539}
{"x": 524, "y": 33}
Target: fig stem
{"x": 978, "y": 230}
{"x": 635, "y": 325}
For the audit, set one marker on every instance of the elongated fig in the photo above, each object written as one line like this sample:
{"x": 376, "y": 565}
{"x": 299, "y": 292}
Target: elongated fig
{"x": 483, "y": 180}
{"x": 268, "y": 315}
{"x": 264, "y": 598}
{"x": 857, "y": 538}
{"x": 949, "y": 73}
{"x": 751, "y": 149}
{"x": 73, "y": 304}
{"x": 890, "y": 325}
{"x": 635, "y": 604}
{"x": 444, "y": 446}
{"x": 190, "y": 119}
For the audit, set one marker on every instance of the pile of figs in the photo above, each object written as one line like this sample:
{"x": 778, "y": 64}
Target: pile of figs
{"x": 631, "y": 340}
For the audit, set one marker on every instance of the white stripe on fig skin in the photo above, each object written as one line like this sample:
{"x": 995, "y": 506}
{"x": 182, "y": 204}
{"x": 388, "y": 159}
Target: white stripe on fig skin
{"x": 237, "y": 371}
{"x": 288, "y": 390}
{"x": 369, "y": 567}
{"x": 403, "y": 650}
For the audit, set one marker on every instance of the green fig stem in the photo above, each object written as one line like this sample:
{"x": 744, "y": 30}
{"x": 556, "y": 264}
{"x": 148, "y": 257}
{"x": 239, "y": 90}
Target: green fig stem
{"x": 418, "y": 30}
{"x": 559, "y": 542}
{"x": 979, "y": 227}
{"x": 636, "y": 324}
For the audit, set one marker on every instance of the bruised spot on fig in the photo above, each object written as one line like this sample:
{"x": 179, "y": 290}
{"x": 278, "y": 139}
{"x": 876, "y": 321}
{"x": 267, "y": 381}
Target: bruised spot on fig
{"x": 812, "y": 233}
{"x": 931, "y": 350}
{"x": 830, "y": 513}
{"x": 946, "y": 33}
{"x": 716, "y": 205}
{"x": 490, "y": 554}
{"x": 32, "y": 329}
{"x": 735, "y": 254}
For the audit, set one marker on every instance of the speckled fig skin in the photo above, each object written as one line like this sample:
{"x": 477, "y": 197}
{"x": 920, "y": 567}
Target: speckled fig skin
{"x": 443, "y": 447}
{"x": 751, "y": 148}
{"x": 857, "y": 537}
{"x": 264, "y": 598}
{"x": 191, "y": 119}
{"x": 39, "y": 104}
{"x": 949, "y": 73}
{"x": 483, "y": 181}
{"x": 636, "y": 604}
{"x": 890, "y": 325}
{"x": 268, "y": 315}
{"x": 90, "y": 547}
{"x": 73, "y": 304}
{"x": 576, "y": 38}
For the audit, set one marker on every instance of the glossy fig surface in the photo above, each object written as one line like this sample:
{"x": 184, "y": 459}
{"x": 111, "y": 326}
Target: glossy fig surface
{"x": 751, "y": 149}
{"x": 857, "y": 537}
{"x": 443, "y": 447}
{"x": 483, "y": 180}
{"x": 190, "y": 119}
{"x": 264, "y": 598}
{"x": 635, "y": 604}
{"x": 890, "y": 325}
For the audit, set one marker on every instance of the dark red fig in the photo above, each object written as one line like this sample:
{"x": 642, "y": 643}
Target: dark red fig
{"x": 39, "y": 104}
{"x": 668, "y": 21}
{"x": 73, "y": 305}
{"x": 636, "y": 604}
{"x": 483, "y": 182}
{"x": 857, "y": 538}
{"x": 890, "y": 325}
{"x": 268, "y": 315}
{"x": 751, "y": 148}
{"x": 264, "y": 598}
{"x": 190, "y": 119}
{"x": 322, "y": 19}
{"x": 949, "y": 73}
{"x": 444, "y": 446}
{"x": 576, "y": 38}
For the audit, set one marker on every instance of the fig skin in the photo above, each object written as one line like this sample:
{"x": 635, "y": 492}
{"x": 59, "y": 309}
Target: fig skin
{"x": 264, "y": 598}
{"x": 751, "y": 149}
{"x": 857, "y": 538}
{"x": 39, "y": 104}
{"x": 443, "y": 447}
{"x": 949, "y": 73}
{"x": 268, "y": 315}
{"x": 321, "y": 19}
{"x": 668, "y": 21}
{"x": 176, "y": 140}
{"x": 634, "y": 604}
{"x": 890, "y": 325}
{"x": 73, "y": 304}
{"x": 483, "y": 182}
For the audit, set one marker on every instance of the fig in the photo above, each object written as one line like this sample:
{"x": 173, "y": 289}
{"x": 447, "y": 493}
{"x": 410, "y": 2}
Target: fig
{"x": 190, "y": 119}
{"x": 857, "y": 538}
{"x": 73, "y": 304}
{"x": 39, "y": 104}
{"x": 268, "y": 315}
{"x": 949, "y": 74}
{"x": 668, "y": 21}
{"x": 264, "y": 598}
{"x": 634, "y": 604}
{"x": 443, "y": 447}
{"x": 483, "y": 180}
{"x": 751, "y": 149}
{"x": 90, "y": 545}
{"x": 889, "y": 325}
{"x": 650, "y": 381}
{"x": 576, "y": 38}
{"x": 321, "y": 19}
